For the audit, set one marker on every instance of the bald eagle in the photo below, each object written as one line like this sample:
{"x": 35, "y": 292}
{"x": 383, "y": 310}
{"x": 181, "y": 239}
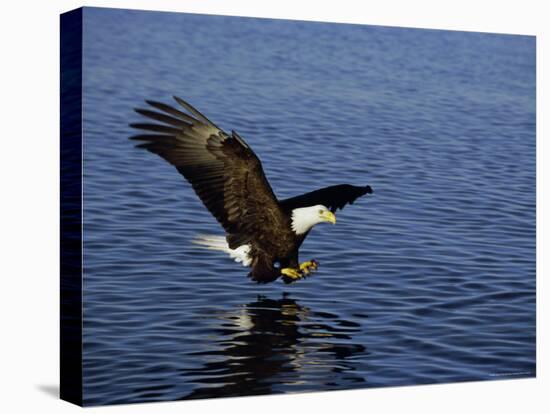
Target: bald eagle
{"x": 261, "y": 231}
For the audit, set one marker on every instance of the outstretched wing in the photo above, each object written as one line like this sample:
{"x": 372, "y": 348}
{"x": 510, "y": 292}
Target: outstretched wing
{"x": 222, "y": 169}
{"x": 333, "y": 197}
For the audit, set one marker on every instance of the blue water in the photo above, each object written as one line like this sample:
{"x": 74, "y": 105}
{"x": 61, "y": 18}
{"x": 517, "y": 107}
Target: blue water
{"x": 429, "y": 280}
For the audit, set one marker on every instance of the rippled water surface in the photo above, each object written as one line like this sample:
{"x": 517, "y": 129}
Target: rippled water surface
{"x": 431, "y": 279}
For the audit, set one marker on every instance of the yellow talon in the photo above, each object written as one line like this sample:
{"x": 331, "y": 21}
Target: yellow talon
{"x": 308, "y": 266}
{"x": 291, "y": 273}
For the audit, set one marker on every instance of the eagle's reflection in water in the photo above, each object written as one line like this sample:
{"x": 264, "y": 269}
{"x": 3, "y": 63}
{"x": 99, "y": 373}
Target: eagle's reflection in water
{"x": 274, "y": 346}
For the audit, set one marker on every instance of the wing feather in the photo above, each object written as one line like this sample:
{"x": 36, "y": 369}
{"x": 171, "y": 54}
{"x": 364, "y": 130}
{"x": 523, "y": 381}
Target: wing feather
{"x": 172, "y": 111}
{"x": 333, "y": 197}
{"x": 157, "y": 116}
{"x": 194, "y": 111}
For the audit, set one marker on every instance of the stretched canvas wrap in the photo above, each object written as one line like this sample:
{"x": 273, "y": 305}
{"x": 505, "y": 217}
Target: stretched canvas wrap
{"x": 256, "y": 206}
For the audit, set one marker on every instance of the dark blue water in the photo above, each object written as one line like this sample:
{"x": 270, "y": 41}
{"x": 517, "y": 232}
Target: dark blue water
{"x": 430, "y": 280}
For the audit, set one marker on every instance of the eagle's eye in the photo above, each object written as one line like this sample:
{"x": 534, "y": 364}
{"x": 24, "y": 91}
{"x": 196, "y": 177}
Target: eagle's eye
{"x": 320, "y": 211}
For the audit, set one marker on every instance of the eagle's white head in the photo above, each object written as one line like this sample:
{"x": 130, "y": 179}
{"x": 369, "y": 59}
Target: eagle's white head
{"x": 303, "y": 219}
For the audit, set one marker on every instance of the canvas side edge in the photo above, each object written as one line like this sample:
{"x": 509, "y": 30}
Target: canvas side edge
{"x": 71, "y": 206}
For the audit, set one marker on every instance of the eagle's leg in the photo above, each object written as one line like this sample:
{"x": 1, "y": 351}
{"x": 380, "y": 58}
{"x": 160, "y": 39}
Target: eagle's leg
{"x": 307, "y": 267}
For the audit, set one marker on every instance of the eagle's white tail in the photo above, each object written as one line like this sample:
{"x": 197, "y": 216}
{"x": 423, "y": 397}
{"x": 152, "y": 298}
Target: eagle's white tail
{"x": 240, "y": 254}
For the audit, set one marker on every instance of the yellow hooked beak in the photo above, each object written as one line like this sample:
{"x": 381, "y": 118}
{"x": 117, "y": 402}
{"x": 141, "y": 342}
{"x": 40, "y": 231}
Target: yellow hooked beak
{"x": 329, "y": 216}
